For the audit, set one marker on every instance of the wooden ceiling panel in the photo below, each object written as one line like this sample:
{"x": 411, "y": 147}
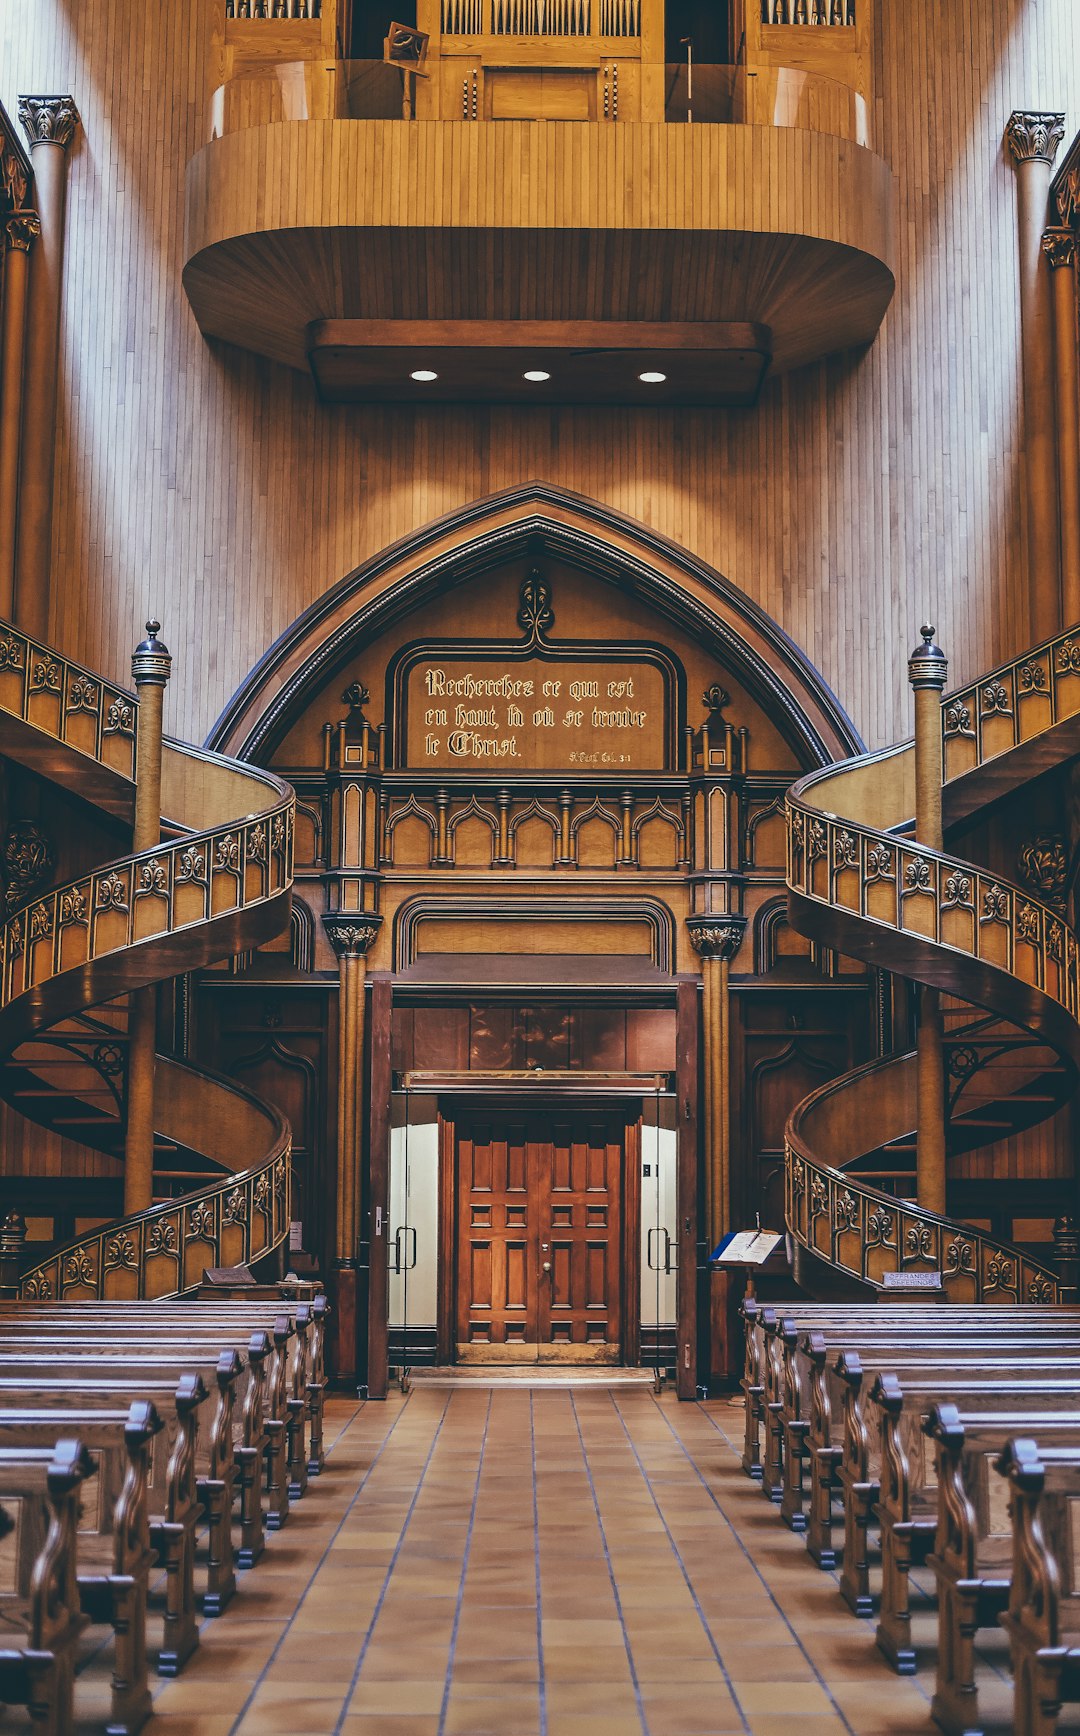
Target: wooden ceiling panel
{"x": 532, "y": 220}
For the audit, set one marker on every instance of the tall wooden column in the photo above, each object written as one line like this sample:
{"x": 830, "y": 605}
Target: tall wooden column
{"x": 928, "y": 669}
{"x": 716, "y": 940}
{"x": 1033, "y": 138}
{"x": 49, "y": 123}
{"x": 1059, "y": 246}
{"x": 350, "y": 933}
{"x": 21, "y": 231}
{"x": 151, "y": 666}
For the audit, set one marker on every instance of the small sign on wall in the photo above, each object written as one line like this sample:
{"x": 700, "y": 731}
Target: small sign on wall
{"x": 296, "y": 1237}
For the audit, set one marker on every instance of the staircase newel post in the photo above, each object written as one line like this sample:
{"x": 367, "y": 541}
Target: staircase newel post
{"x": 151, "y": 666}
{"x": 928, "y": 669}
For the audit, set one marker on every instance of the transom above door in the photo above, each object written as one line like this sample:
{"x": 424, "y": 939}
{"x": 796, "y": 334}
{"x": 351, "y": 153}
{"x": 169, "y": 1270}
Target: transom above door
{"x": 540, "y": 1222}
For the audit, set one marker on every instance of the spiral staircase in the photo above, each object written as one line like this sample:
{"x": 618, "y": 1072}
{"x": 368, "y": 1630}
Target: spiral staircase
{"x": 219, "y": 883}
{"x": 1006, "y": 962}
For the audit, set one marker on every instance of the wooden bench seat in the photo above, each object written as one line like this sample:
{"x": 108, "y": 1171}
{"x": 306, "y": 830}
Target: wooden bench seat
{"x": 306, "y": 1376}
{"x": 43, "y": 1487}
{"x": 786, "y": 1379}
{"x": 1042, "y": 1618}
{"x": 175, "y": 1504}
{"x": 896, "y": 1318}
{"x": 115, "y": 1555}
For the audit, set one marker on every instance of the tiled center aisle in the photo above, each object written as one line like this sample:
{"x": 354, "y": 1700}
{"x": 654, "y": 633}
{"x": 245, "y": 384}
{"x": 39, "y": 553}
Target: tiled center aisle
{"x": 538, "y": 1563}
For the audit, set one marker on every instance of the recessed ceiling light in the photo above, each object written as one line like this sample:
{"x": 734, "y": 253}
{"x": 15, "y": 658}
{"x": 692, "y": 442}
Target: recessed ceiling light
{"x": 423, "y": 374}
{"x": 536, "y": 374}
{"x": 652, "y": 378}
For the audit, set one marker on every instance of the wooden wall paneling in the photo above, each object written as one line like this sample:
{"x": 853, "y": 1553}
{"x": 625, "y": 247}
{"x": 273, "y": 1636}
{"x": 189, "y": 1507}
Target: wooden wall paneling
{"x": 859, "y": 494}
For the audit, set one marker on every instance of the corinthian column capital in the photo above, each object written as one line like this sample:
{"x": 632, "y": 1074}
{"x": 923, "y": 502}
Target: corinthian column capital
{"x": 48, "y": 120}
{"x": 716, "y": 936}
{"x": 22, "y": 230}
{"x": 1060, "y": 245}
{"x": 351, "y": 933}
{"x": 1034, "y": 134}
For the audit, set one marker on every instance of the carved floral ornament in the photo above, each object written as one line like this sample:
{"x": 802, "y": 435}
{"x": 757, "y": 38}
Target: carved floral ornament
{"x": 352, "y": 935}
{"x": 22, "y": 230}
{"x": 48, "y": 120}
{"x": 1067, "y": 195}
{"x": 1059, "y": 245}
{"x": 1034, "y": 133}
{"x": 716, "y": 936}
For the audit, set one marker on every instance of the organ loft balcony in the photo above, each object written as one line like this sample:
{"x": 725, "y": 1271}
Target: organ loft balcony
{"x": 530, "y": 201}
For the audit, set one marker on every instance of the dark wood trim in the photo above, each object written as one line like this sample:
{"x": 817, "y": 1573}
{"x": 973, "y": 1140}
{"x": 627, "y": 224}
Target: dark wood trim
{"x": 550, "y": 334}
{"x": 375, "y": 1223}
{"x": 687, "y": 1040}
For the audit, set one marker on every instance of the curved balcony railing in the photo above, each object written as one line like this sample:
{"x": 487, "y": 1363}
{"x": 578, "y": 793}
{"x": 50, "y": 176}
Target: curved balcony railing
{"x": 857, "y": 883}
{"x": 609, "y": 87}
{"x": 219, "y": 885}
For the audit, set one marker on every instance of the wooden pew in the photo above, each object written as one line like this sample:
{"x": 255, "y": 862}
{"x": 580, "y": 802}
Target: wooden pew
{"x": 823, "y": 1316}
{"x": 1041, "y": 1618}
{"x": 800, "y": 1404}
{"x": 40, "y": 1673}
{"x": 175, "y": 1505}
{"x": 306, "y": 1377}
{"x": 941, "y": 1369}
{"x": 286, "y": 1403}
{"x": 114, "y": 1564}
{"x": 971, "y": 1543}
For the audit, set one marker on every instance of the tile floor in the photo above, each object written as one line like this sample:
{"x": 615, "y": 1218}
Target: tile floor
{"x": 539, "y": 1563}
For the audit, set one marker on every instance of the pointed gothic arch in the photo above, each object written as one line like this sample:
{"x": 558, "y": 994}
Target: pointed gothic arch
{"x": 538, "y": 518}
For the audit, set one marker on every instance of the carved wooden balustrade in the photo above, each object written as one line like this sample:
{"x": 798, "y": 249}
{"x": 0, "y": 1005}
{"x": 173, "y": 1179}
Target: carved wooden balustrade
{"x": 632, "y": 826}
{"x": 855, "y": 882}
{"x": 219, "y": 882}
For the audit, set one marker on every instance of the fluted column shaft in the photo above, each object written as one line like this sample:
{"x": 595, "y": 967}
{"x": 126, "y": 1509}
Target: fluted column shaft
{"x": 151, "y": 666}
{"x": 22, "y": 230}
{"x": 1060, "y": 248}
{"x": 49, "y": 123}
{"x": 1033, "y": 139}
{"x": 927, "y": 672}
{"x": 350, "y": 935}
{"x": 716, "y": 940}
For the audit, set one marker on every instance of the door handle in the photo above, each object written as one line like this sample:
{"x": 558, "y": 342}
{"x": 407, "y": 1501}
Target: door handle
{"x": 547, "y": 1266}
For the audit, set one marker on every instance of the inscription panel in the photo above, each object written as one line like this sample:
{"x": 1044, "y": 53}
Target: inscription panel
{"x": 535, "y": 714}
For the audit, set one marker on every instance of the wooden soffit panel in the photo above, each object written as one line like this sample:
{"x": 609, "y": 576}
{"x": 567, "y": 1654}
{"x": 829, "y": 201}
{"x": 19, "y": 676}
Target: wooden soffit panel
{"x": 305, "y": 221}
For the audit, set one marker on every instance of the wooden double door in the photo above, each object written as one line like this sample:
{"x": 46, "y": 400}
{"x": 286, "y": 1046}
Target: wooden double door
{"x": 544, "y": 1235}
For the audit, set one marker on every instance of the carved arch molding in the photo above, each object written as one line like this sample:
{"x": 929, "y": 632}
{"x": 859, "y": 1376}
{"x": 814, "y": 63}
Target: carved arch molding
{"x": 539, "y": 519}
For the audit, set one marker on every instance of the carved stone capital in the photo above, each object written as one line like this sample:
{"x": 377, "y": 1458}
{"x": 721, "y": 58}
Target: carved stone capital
{"x": 716, "y": 936}
{"x": 1067, "y": 196}
{"x": 22, "y": 230}
{"x": 1034, "y": 134}
{"x": 48, "y": 120}
{"x": 1059, "y": 245}
{"x": 351, "y": 933}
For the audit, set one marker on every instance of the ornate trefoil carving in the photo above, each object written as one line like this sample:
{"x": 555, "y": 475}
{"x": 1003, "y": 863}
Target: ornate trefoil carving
{"x": 716, "y": 936}
{"x": 48, "y": 120}
{"x": 1059, "y": 245}
{"x": 351, "y": 934}
{"x": 1067, "y": 195}
{"x": 536, "y": 617}
{"x": 1034, "y": 133}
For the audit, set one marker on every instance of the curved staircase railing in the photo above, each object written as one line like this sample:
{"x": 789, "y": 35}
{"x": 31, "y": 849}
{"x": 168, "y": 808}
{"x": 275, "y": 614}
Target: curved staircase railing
{"x": 218, "y": 883}
{"x": 858, "y": 883}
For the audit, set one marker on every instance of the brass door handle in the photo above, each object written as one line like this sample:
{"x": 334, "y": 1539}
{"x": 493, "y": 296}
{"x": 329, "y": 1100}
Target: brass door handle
{"x": 547, "y": 1266}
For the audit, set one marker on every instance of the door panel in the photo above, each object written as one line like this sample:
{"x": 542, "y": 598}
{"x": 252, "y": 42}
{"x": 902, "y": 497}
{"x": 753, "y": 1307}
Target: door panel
{"x": 539, "y": 1237}
{"x": 580, "y": 1222}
